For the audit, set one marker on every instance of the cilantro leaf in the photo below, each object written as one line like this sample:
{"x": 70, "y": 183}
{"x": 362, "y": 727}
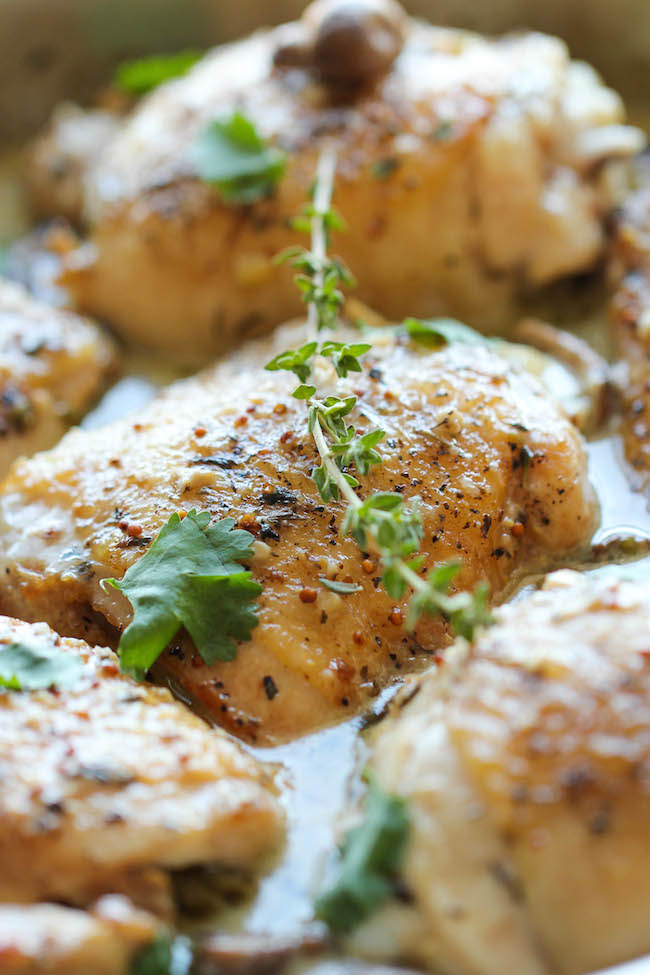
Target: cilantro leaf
{"x": 231, "y": 155}
{"x": 191, "y": 576}
{"x": 144, "y": 74}
{"x": 442, "y": 331}
{"x": 370, "y": 859}
{"x": 32, "y": 666}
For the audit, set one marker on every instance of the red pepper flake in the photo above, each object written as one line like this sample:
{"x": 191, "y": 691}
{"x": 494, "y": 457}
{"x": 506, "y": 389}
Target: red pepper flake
{"x": 288, "y": 437}
{"x": 279, "y": 408}
{"x": 308, "y": 595}
{"x": 134, "y": 531}
{"x": 396, "y": 617}
{"x": 251, "y": 408}
{"x": 368, "y": 566}
{"x": 200, "y": 431}
{"x": 358, "y": 638}
{"x": 197, "y": 661}
{"x": 518, "y": 529}
{"x": 241, "y": 421}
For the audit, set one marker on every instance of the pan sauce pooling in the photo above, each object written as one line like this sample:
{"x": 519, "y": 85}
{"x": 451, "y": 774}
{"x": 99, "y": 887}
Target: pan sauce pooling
{"x": 457, "y": 420}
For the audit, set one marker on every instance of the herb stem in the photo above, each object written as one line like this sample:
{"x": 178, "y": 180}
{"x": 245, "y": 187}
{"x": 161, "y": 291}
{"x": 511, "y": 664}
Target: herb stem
{"x": 322, "y": 201}
{"x": 328, "y": 460}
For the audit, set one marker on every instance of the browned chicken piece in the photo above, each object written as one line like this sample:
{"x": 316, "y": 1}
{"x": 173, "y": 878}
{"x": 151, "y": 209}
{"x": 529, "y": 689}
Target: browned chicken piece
{"x": 46, "y": 939}
{"x": 469, "y": 169}
{"x": 62, "y": 155}
{"x": 630, "y": 276}
{"x": 52, "y": 366}
{"x": 107, "y": 783}
{"x": 499, "y": 469}
{"x": 525, "y": 763}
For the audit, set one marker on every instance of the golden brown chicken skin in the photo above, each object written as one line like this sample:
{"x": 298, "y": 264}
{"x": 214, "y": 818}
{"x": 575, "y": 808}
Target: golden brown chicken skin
{"x": 629, "y": 271}
{"x": 47, "y": 939}
{"x": 525, "y": 765}
{"x": 108, "y": 783}
{"x": 499, "y": 469}
{"x": 468, "y": 172}
{"x": 53, "y": 364}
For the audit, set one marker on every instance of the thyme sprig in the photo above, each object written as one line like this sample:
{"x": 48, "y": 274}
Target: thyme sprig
{"x": 382, "y": 523}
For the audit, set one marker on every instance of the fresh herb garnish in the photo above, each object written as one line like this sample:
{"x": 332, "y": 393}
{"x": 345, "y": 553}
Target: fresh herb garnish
{"x": 342, "y": 588}
{"x": 144, "y": 74}
{"x": 437, "y": 332}
{"x": 32, "y": 665}
{"x": 371, "y": 856}
{"x": 383, "y": 523}
{"x": 232, "y": 156}
{"x": 190, "y": 576}
{"x": 164, "y": 956}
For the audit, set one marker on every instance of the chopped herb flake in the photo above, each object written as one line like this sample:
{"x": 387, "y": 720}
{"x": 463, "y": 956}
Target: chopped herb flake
{"x": 191, "y": 576}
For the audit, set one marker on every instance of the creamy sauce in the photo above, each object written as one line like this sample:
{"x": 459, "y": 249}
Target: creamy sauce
{"x": 320, "y": 771}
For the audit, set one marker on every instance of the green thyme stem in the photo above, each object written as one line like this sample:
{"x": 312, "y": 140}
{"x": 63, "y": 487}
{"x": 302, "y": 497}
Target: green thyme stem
{"x": 325, "y": 171}
{"x": 410, "y": 577}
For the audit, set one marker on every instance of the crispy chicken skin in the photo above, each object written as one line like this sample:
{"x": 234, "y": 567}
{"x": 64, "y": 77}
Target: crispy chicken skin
{"x": 52, "y": 365}
{"x": 470, "y": 171}
{"x": 110, "y": 781}
{"x": 499, "y": 469}
{"x": 526, "y": 763}
{"x": 46, "y": 939}
{"x": 629, "y": 271}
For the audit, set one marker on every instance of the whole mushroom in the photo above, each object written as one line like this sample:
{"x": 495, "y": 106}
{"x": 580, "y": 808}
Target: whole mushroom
{"x": 344, "y": 42}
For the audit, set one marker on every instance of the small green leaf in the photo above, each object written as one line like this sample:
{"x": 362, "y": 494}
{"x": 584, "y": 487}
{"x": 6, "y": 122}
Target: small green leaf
{"x": 164, "y": 956}
{"x": 345, "y": 358}
{"x": 33, "y": 665}
{"x": 342, "y": 588}
{"x": 437, "y": 332}
{"x": 144, "y": 74}
{"x": 303, "y": 392}
{"x": 294, "y": 360}
{"x": 231, "y": 155}
{"x": 191, "y": 576}
{"x": 372, "y": 854}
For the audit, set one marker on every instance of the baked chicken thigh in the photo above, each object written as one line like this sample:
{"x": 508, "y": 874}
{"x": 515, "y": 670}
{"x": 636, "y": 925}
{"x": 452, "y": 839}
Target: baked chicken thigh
{"x": 470, "y": 169}
{"x": 499, "y": 469}
{"x": 630, "y": 276}
{"x": 107, "y": 783}
{"x": 525, "y": 764}
{"x": 46, "y": 939}
{"x": 52, "y": 365}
